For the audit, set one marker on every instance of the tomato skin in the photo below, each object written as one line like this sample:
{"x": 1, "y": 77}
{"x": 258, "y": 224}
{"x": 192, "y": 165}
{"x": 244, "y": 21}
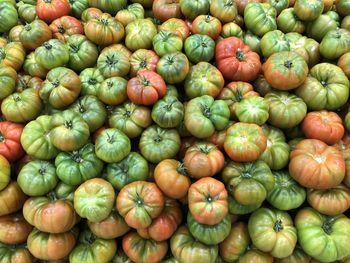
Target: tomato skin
{"x": 288, "y": 21}
{"x": 332, "y": 202}
{"x": 236, "y": 61}
{"x": 14, "y": 229}
{"x": 66, "y": 26}
{"x": 177, "y": 26}
{"x": 143, "y": 59}
{"x": 139, "y": 203}
{"x": 335, "y": 43}
{"x": 35, "y": 34}
{"x": 224, "y": 10}
{"x": 191, "y": 9}
{"x": 260, "y": 18}
{"x": 323, "y": 125}
{"x": 8, "y": 18}
{"x": 207, "y": 201}
{"x": 199, "y": 48}
{"x": 344, "y": 63}
{"x": 344, "y": 147}
{"x": 321, "y": 236}
{"x": 308, "y": 10}
{"x": 10, "y": 146}
{"x": 90, "y": 13}
{"x": 52, "y": 9}
{"x": 135, "y": 40}
{"x": 19, "y": 254}
{"x": 130, "y": 13}
{"x": 166, "y": 9}
{"x": 5, "y": 172}
{"x": 325, "y": 164}
{"x": 111, "y": 7}
{"x": 12, "y": 55}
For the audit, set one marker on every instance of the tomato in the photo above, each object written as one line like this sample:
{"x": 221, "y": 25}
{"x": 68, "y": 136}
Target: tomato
{"x": 82, "y": 52}
{"x": 111, "y": 7}
{"x": 12, "y": 199}
{"x": 14, "y": 33}
{"x": 143, "y": 59}
{"x": 335, "y": 43}
{"x": 157, "y": 144}
{"x": 36, "y": 139}
{"x": 5, "y": 172}
{"x": 325, "y": 164}
{"x": 343, "y": 7}
{"x": 50, "y": 215}
{"x": 139, "y": 203}
{"x": 27, "y": 12}
{"x": 344, "y": 63}
{"x": 66, "y": 26}
{"x": 8, "y": 18}
{"x": 90, "y": 81}
{"x": 331, "y": 201}
{"x": 249, "y": 183}
{"x": 298, "y": 256}
{"x": 245, "y": 142}
{"x": 113, "y": 63}
{"x": 203, "y": 159}
{"x": 260, "y": 18}
{"x": 286, "y": 110}
{"x": 308, "y": 10}
{"x": 143, "y": 250}
{"x": 286, "y": 194}
{"x": 166, "y": 42}
{"x": 132, "y": 168}
{"x": 192, "y": 9}
{"x": 207, "y": 201}
{"x": 74, "y": 168}
{"x": 65, "y": 191}
{"x": 130, "y": 13}
{"x": 94, "y": 199}
{"x": 211, "y": 84}
{"x": 111, "y": 227}
{"x": 168, "y": 112}
{"x": 37, "y": 178}
{"x": 253, "y": 109}
{"x": 104, "y": 30}
{"x": 166, "y": 9}
{"x": 171, "y": 177}
{"x": 90, "y": 13}
{"x": 130, "y": 118}
{"x": 343, "y": 146}
{"x": 52, "y": 54}
{"x": 224, "y": 10}
{"x": 323, "y": 125}
{"x": 17, "y": 254}
{"x": 8, "y": 78}
{"x": 112, "y": 145}
{"x": 326, "y": 88}
{"x": 273, "y": 42}
{"x": 92, "y": 249}
{"x": 14, "y": 229}
{"x": 207, "y": 25}
{"x": 323, "y": 237}
{"x": 272, "y": 231}
{"x": 163, "y": 226}
{"x": 173, "y": 67}
{"x": 77, "y": 7}
{"x": 237, "y": 61}
{"x": 49, "y": 10}
{"x": 177, "y": 26}
{"x": 31, "y": 67}
{"x": 146, "y": 88}
{"x": 69, "y": 130}
{"x": 277, "y": 4}
{"x": 288, "y": 21}
{"x": 10, "y": 146}
{"x": 209, "y": 234}
{"x": 112, "y": 91}
{"x": 35, "y": 34}
{"x": 139, "y": 34}
{"x": 199, "y": 48}
{"x": 345, "y": 23}
{"x": 318, "y": 28}
{"x": 12, "y": 55}
{"x": 231, "y": 29}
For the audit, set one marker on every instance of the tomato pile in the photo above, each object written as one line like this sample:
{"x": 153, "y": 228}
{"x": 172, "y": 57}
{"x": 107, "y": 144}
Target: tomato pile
{"x": 174, "y": 131}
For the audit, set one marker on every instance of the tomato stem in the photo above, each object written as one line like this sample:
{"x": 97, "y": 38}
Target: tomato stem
{"x": 2, "y": 53}
{"x": 76, "y": 156}
{"x": 181, "y": 169}
{"x": 240, "y": 55}
{"x": 278, "y": 226}
{"x": 68, "y": 124}
{"x": 206, "y": 112}
{"x": 2, "y": 137}
{"x": 288, "y": 64}
{"x": 92, "y": 81}
{"x": 327, "y": 225}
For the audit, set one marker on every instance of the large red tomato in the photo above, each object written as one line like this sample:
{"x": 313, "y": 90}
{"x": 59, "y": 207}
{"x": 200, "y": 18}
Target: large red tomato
{"x": 49, "y": 10}
{"x": 237, "y": 61}
{"x": 10, "y": 137}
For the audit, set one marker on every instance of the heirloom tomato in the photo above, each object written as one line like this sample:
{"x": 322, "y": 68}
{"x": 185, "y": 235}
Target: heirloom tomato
{"x": 10, "y": 145}
{"x": 14, "y": 229}
{"x": 49, "y": 10}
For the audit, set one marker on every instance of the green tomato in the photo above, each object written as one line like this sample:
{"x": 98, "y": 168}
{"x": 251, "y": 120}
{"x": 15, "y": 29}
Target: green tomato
{"x": 252, "y": 41}
{"x": 112, "y": 91}
{"x": 157, "y": 144}
{"x": 191, "y": 9}
{"x": 69, "y": 130}
{"x": 199, "y": 48}
{"x": 308, "y": 10}
{"x": 92, "y": 110}
{"x": 8, "y": 78}
{"x": 94, "y": 199}
{"x": 168, "y": 112}
{"x": 288, "y": 21}
{"x": 276, "y": 154}
{"x": 112, "y": 145}
{"x": 82, "y": 52}
{"x": 166, "y": 42}
{"x": 318, "y": 28}
{"x": 139, "y": 34}
{"x": 209, "y": 234}
{"x": 325, "y": 238}
{"x": 113, "y": 63}
{"x": 173, "y": 67}
{"x": 91, "y": 249}
{"x": 204, "y": 115}
{"x": 52, "y": 54}
{"x": 260, "y": 18}
{"x": 76, "y": 167}
{"x": 252, "y": 109}
{"x": 37, "y": 178}
{"x": 286, "y": 194}
{"x": 77, "y": 7}
{"x": 8, "y": 16}
{"x": 132, "y": 168}
{"x": 250, "y": 182}
{"x": 273, "y": 231}
{"x": 326, "y": 88}
{"x": 231, "y": 29}
{"x": 36, "y": 139}
{"x": 91, "y": 79}
{"x": 108, "y": 6}
{"x": 335, "y": 43}
{"x": 236, "y": 208}
{"x": 273, "y": 42}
